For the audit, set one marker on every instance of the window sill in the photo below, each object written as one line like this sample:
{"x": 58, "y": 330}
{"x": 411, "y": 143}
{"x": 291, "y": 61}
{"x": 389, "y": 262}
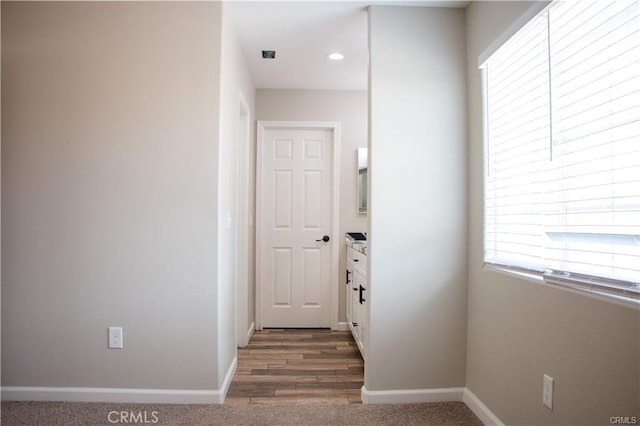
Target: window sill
{"x": 538, "y": 279}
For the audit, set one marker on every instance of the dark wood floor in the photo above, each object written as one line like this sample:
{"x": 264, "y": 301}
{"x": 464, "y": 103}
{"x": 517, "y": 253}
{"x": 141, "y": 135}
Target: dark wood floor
{"x": 298, "y": 366}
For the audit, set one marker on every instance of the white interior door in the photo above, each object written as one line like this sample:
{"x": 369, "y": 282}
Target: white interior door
{"x": 295, "y": 211}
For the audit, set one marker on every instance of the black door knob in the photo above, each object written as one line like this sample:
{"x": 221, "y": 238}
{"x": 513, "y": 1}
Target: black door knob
{"x": 325, "y": 239}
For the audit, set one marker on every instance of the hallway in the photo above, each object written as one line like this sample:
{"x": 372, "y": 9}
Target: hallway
{"x": 298, "y": 366}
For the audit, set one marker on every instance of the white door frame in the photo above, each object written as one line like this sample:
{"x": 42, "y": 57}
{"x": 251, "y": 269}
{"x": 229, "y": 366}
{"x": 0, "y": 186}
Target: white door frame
{"x": 244, "y": 223}
{"x": 334, "y": 127}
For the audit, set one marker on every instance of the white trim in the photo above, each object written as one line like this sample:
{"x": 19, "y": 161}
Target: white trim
{"x": 252, "y": 329}
{"x": 258, "y": 228}
{"x": 120, "y": 395}
{"x": 243, "y": 227}
{"x": 79, "y": 394}
{"x": 222, "y": 394}
{"x": 333, "y": 126}
{"x": 537, "y": 7}
{"x": 337, "y": 239}
{"x": 343, "y": 326}
{"x": 479, "y": 409}
{"x": 408, "y": 396}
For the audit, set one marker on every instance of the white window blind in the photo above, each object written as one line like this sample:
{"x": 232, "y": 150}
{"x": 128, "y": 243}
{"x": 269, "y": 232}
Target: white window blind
{"x": 562, "y": 191}
{"x": 517, "y": 112}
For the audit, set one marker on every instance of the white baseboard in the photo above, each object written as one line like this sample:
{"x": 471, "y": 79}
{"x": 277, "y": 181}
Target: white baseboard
{"x": 72, "y": 394}
{"x": 252, "y": 329}
{"x": 243, "y": 340}
{"x": 120, "y": 395}
{"x": 343, "y": 326}
{"x": 222, "y": 394}
{"x": 479, "y": 409}
{"x": 407, "y": 396}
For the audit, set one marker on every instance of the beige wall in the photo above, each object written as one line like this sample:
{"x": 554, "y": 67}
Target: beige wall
{"x": 417, "y": 153}
{"x": 350, "y": 109}
{"x": 109, "y": 201}
{"x": 519, "y": 330}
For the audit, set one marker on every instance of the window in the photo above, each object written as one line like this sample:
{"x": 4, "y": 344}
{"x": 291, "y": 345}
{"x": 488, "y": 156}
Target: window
{"x": 562, "y": 132}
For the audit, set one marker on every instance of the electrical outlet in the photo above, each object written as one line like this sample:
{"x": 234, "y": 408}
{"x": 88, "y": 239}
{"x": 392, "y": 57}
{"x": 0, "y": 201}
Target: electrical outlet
{"x": 115, "y": 337}
{"x": 547, "y": 391}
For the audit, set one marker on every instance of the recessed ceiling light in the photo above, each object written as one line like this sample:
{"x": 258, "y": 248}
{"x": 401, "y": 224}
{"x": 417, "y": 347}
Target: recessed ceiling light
{"x": 336, "y": 56}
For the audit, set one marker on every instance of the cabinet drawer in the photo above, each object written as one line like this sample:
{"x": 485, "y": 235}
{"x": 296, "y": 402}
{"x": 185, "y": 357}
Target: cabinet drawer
{"x": 358, "y": 260}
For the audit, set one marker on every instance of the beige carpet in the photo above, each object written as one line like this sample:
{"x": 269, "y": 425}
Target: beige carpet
{"x": 65, "y": 413}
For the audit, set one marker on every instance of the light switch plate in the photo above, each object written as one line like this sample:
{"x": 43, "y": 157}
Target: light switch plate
{"x": 115, "y": 338}
{"x": 547, "y": 391}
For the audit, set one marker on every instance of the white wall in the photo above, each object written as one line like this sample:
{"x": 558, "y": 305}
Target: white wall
{"x": 417, "y": 156}
{"x": 350, "y": 109}
{"x": 519, "y": 330}
{"x": 235, "y": 82}
{"x": 109, "y": 201}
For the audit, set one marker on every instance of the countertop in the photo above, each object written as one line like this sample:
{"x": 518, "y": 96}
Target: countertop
{"x": 360, "y": 246}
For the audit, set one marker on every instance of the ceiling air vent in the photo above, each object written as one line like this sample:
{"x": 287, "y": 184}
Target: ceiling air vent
{"x": 268, "y": 54}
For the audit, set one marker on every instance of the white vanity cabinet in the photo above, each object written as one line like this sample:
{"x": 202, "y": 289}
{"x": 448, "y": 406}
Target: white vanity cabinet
{"x": 357, "y": 297}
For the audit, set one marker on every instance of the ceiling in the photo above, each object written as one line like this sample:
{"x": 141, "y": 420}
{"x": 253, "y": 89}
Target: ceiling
{"x": 303, "y": 34}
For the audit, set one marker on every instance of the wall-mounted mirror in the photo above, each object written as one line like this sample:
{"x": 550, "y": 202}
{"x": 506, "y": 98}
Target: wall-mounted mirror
{"x": 362, "y": 181}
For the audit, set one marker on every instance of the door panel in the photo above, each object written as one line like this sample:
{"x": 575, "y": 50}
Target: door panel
{"x": 312, "y": 203}
{"x": 295, "y": 210}
{"x": 312, "y": 291}
{"x": 282, "y": 277}
{"x": 283, "y": 199}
